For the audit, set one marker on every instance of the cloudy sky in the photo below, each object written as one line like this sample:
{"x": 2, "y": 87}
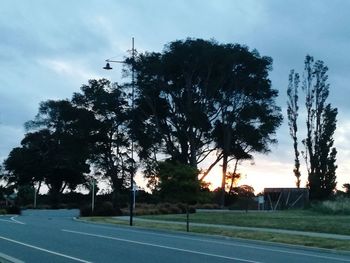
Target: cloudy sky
{"x": 48, "y": 49}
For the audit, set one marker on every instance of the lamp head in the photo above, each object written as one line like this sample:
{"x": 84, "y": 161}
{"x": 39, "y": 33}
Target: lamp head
{"x": 107, "y": 67}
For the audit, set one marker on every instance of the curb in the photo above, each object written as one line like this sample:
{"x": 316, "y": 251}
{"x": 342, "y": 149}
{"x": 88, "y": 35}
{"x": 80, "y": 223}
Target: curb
{"x": 258, "y": 229}
{"x": 7, "y": 259}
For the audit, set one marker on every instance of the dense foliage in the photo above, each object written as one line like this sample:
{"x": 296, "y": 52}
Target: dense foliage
{"x": 198, "y": 97}
{"x": 193, "y": 99}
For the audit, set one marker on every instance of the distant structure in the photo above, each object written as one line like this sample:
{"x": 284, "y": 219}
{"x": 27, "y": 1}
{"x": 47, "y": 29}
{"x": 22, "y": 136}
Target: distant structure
{"x": 285, "y": 198}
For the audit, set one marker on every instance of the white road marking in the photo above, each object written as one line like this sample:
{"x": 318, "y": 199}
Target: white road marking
{"x": 258, "y": 247}
{"x": 6, "y": 220}
{"x": 160, "y": 246}
{"x": 237, "y": 245}
{"x": 16, "y": 221}
{"x": 12, "y": 220}
{"x": 44, "y": 250}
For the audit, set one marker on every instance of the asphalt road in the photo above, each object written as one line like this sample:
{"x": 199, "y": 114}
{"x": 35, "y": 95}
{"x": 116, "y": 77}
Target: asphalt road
{"x": 53, "y": 236}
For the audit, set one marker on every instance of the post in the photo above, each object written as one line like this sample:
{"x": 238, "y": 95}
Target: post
{"x": 132, "y": 140}
{"x": 187, "y": 219}
{"x": 93, "y": 196}
{"x": 108, "y": 67}
{"x": 34, "y": 205}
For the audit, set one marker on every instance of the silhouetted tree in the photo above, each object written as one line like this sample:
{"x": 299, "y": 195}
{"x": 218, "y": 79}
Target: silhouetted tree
{"x": 111, "y": 140}
{"x": 292, "y": 113}
{"x": 25, "y": 165}
{"x": 63, "y": 133}
{"x": 320, "y": 155}
{"x": 347, "y": 189}
{"x": 197, "y": 97}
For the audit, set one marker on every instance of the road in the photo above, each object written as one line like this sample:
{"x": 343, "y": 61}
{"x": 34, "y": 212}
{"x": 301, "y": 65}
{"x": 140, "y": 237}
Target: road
{"x": 53, "y": 236}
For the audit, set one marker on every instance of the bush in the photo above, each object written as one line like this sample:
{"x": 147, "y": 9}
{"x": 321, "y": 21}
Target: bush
{"x": 103, "y": 209}
{"x": 85, "y": 211}
{"x": 243, "y": 203}
{"x": 339, "y": 206}
{"x": 208, "y": 206}
{"x": 162, "y": 208}
{"x": 106, "y": 209}
{"x": 14, "y": 210}
{"x": 2, "y": 212}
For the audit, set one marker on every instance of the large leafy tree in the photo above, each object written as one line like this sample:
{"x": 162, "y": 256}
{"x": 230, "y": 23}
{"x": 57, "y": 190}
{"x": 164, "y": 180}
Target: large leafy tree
{"x": 198, "y": 96}
{"x": 25, "y": 165}
{"x": 247, "y": 115}
{"x": 61, "y": 138}
{"x": 111, "y": 152}
{"x": 320, "y": 155}
{"x": 172, "y": 101}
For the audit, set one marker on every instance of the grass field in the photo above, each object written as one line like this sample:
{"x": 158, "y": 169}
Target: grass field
{"x": 293, "y": 220}
{"x": 302, "y": 220}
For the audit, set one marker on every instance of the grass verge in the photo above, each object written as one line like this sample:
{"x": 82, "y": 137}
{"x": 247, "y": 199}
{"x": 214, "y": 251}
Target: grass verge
{"x": 301, "y": 220}
{"x": 343, "y": 245}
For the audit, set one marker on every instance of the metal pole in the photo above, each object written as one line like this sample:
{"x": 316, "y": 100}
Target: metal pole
{"x": 93, "y": 196}
{"x": 132, "y": 140}
{"x": 34, "y": 196}
{"x": 187, "y": 219}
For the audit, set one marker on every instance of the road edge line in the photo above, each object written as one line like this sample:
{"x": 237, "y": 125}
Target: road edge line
{"x": 160, "y": 246}
{"x": 8, "y": 259}
{"x": 44, "y": 250}
{"x": 16, "y": 221}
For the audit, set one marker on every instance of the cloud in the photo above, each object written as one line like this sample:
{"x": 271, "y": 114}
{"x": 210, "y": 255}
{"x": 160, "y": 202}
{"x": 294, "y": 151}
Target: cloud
{"x": 68, "y": 69}
{"x": 9, "y": 138}
{"x": 48, "y": 49}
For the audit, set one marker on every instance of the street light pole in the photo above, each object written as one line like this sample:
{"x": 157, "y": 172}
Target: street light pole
{"x": 34, "y": 196}
{"x": 132, "y": 192}
{"x": 92, "y": 195}
{"x": 108, "y": 67}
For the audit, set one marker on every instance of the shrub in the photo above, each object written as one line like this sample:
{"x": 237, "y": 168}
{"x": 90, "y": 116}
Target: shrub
{"x": 182, "y": 207}
{"x": 106, "y": 209}
{"x": 15, "y": 210}
{"x": 208, "y": 206}
{"x": 2, "y": 212}
{"x": 192, "y": 209}
{"x": 85, "y": 210}
{"x": 162, "y": 208}
{"x": 243, "y": 204}
{"x": 339, "y": 206}
{"x": 103, "y": 209}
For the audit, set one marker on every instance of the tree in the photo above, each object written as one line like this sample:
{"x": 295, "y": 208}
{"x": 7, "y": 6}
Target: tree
{"x": 178, "y": 182}
{"x": 25, "y": 165}
{"x": 197, "y": 97}
{"x": 347, "y": 189}
{"x": 247, "y": 115}
{"x": 320, "y": 155}
{"x": 292, "y": 113}
{"x": 111, "y": 152}
{"x": 173, "y": 106}
{"x": 61, "y": 141}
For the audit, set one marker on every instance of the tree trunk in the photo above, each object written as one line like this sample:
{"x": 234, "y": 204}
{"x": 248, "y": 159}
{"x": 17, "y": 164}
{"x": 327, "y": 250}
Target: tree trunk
{"x": 223, "y": 180}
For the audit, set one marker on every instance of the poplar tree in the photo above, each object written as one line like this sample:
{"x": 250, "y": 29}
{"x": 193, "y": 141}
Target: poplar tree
{"x": 292, "y": 113}
{"x": 320, "y": 153}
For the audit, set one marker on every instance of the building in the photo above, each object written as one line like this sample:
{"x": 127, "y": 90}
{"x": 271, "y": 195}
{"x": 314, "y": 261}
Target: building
{"x": 285, "y": 198}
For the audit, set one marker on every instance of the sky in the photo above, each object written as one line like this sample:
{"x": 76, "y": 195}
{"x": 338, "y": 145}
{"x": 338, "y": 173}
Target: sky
{"x": 49, "y": 49}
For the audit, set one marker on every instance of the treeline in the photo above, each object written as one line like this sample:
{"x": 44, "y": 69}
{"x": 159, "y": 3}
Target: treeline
{"x": 196, "y": 100}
